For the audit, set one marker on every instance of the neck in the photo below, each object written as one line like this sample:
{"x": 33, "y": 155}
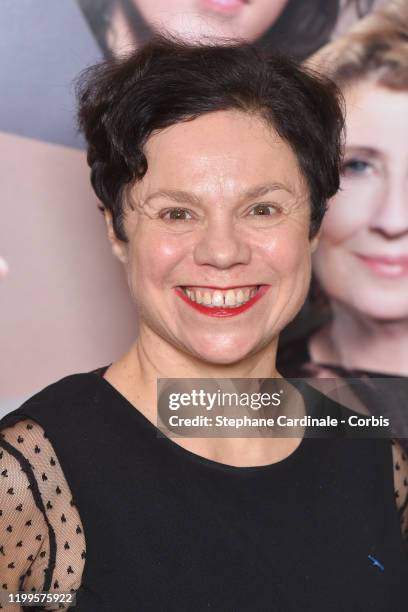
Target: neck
{"x": 127, "y": 29}
{"x": 353, "y": 341}
{"x": 157, "y": 357}
{"x": 150, "y": 357}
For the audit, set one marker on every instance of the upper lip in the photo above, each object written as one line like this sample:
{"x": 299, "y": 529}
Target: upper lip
{"x": 386, "y": 259}
{"x": 222, "y": 288}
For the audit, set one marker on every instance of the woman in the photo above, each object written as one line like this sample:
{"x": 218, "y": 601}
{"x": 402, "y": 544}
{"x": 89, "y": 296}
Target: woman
{"x": 214, "y": 187}
{"x": 46, "y": 257}
{"x": 360, "y": 267}
{"x": 296, "y": 26}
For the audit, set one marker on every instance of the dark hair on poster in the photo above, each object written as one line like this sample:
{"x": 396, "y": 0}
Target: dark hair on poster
{"x": 304, "y": 27}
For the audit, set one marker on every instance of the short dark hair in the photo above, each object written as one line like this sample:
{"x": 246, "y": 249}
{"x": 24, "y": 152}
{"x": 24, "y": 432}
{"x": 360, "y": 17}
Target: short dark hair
{"x": 123, "y": 101}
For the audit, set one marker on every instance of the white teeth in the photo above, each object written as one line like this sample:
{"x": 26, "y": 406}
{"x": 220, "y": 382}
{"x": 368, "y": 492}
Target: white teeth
{"x": 230, "y": 298}
{"x": 217, "y": 298}
{"x": 240, "y": 296}
{"x": 207, "y": 298}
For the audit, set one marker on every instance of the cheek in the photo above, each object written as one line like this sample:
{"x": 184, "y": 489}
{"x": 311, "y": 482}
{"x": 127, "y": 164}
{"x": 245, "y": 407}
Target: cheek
{"x": 350, "y": 211}
{"x": 271, "y": 9}
{"x": 258, "y": 17}
{"x": 154, "y": 258}
{"x": 288, "y": 253}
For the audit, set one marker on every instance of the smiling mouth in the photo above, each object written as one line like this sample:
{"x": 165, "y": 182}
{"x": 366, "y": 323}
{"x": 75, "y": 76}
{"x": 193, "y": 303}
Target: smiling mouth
{"x": 386, "y": 266}
{"x": 217, "y": 302}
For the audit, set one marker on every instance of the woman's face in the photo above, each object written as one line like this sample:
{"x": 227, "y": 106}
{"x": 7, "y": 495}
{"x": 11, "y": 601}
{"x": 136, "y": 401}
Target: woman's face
{"x": 362, "y": 259}
{"x": 223, "y": 205}
{"x": 246, "y": 19}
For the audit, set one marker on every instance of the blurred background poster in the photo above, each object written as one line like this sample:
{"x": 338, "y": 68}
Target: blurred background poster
{"x": 356, "y": 331}
{"x": 63, "y": 303}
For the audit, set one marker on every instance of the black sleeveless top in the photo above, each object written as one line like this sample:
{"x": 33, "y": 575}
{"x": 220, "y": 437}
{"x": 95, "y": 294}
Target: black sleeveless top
{"x": 169, "y": 530}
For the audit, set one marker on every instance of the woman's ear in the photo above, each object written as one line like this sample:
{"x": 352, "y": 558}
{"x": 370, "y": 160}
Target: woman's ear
{"x": 119, "y": 247}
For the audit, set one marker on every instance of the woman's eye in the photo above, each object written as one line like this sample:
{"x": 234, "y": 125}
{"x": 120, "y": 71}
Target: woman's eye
{"x": 355, "y": 166}
{"x": 176, "y": 214}
{"x": 262, "y": 210}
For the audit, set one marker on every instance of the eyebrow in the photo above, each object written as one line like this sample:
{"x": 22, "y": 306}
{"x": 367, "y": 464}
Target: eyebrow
{"x": 185, "y": 197}
{"x": 369, "y": 151}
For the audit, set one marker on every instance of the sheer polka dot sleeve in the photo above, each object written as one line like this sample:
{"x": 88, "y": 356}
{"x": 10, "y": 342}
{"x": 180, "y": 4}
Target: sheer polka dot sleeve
{"x": 42, "y": 543}
{"x": 401, "y": 486}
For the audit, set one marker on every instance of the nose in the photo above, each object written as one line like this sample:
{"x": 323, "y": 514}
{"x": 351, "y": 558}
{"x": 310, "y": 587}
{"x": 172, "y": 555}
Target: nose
{"x": 391, "y": 216}
{"x": 222, "y": 245}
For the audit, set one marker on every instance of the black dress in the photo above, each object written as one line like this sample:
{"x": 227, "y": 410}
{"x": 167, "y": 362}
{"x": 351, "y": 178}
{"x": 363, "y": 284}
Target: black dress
{"x": 169, "y": 530}
{"x": 378, "y": 393}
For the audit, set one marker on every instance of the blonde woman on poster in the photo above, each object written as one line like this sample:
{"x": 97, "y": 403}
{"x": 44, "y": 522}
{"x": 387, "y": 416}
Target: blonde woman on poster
{"x": 361, "y": 264}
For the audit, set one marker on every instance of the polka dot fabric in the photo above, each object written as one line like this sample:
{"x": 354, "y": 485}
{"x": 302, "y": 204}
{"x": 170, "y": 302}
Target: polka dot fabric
{"x": 42, "y": 543}
{"x": 400, "y": 462}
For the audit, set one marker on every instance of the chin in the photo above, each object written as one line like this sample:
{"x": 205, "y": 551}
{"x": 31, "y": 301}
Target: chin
{"x": 223, "y": 351}
{"x": 382, "y": 310}
{"x": 391, "y": 315}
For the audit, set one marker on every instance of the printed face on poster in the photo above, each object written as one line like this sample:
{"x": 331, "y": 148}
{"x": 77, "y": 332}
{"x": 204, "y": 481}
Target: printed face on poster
{"x": 64, "y": 302}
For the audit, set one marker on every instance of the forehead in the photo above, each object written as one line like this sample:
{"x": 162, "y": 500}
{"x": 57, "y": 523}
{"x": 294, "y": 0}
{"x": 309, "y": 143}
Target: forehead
{"x": 376, "y": 116}
{"x": 224, "y": 149}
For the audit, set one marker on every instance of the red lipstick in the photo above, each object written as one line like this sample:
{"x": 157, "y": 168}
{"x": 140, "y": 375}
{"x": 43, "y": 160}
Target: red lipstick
{"x": 220, "y": 311}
